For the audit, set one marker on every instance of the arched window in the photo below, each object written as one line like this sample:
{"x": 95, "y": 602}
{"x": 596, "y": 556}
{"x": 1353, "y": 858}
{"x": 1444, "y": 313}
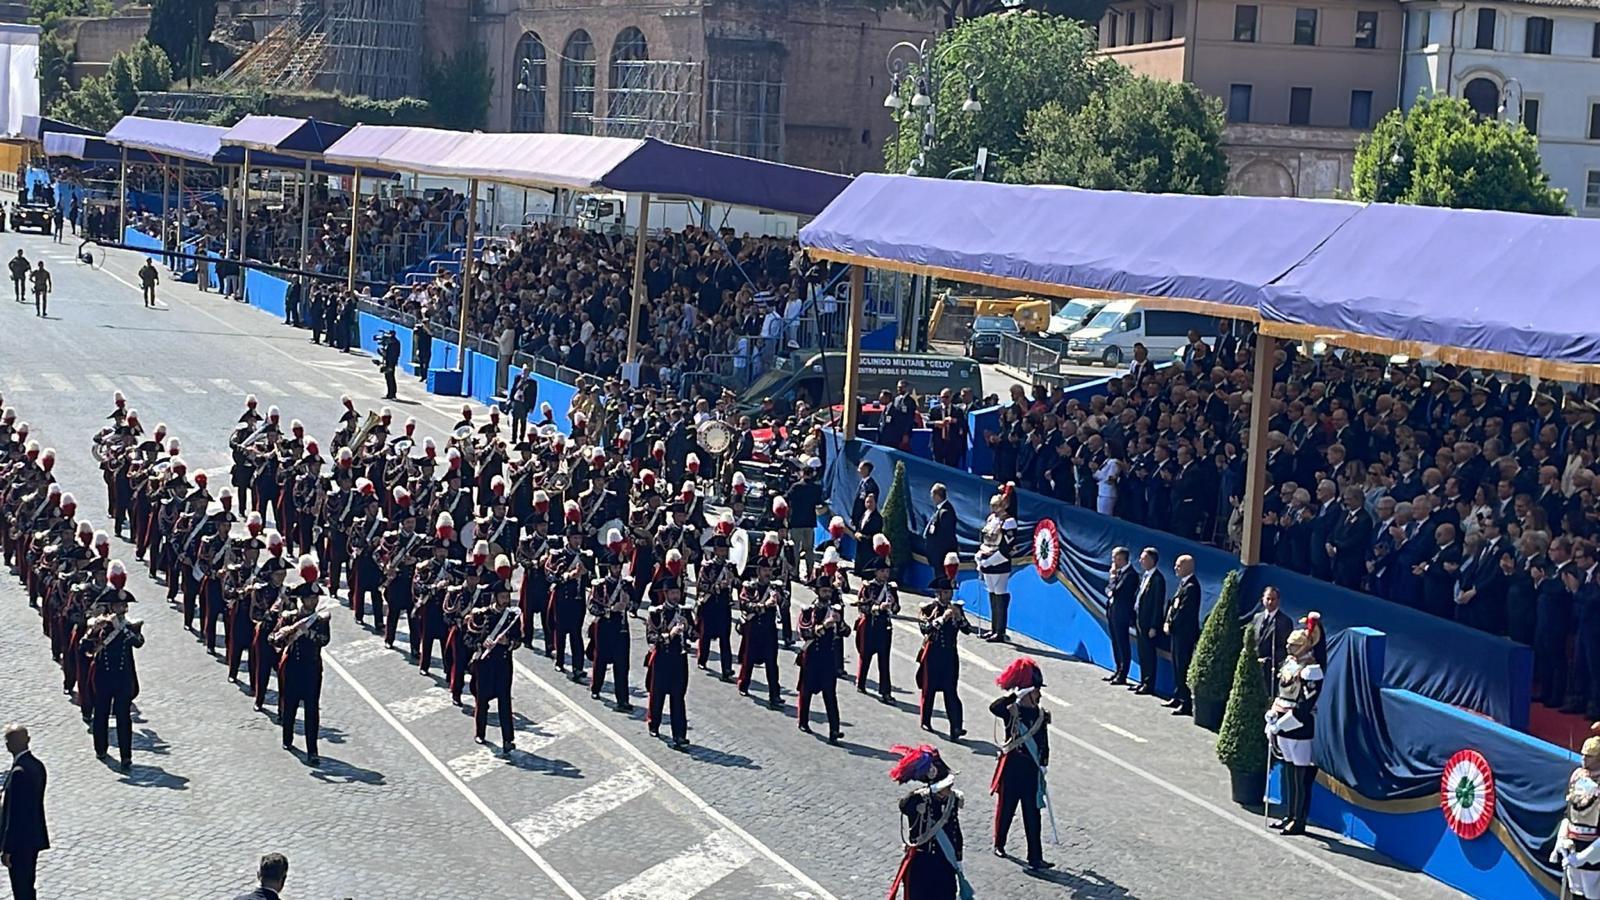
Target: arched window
{"x": 1483, "y": 96}
{"x": 527, "y": 99}
{"x": 627, "y": 92}
{"x": 577, "y": 84}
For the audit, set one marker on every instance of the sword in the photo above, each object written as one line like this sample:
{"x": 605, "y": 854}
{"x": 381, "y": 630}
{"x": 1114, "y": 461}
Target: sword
{"x": 1049, "y": 805}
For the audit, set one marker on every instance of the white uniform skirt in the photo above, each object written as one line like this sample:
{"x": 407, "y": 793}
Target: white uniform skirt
{"x": 1584, "y": 882}
{"x": 1296, "y": 751}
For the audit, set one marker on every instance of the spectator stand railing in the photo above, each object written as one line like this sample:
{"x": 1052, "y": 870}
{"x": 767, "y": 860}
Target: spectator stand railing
{"x": 1031, "y": 359}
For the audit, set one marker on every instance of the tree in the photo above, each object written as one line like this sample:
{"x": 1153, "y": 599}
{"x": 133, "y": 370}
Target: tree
{"x": 1216, "y": 653}
{"x": 1442, "y": 153}
{"x": 459, "y": 87}
{"x": 897, "y": 522}
{"x": 953, "y": 11}
{"x": 92, "y": 105}
{"x": 103, "y": 99}
{"x": 182, "y": 28}
{"x": 1242, "y": 743}
{"x": 56, "y": 55}
{"x": 1138, "y": 134}
{"x": 1021, "y": 61}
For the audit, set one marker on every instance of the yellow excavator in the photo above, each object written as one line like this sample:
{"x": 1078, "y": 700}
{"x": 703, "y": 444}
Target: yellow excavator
{"x": 1032, "y": 314}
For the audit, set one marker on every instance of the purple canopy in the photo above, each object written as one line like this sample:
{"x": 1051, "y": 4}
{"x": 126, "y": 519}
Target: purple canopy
{"x": 1210, "y": 253}
{"x": 1468, "y": 286}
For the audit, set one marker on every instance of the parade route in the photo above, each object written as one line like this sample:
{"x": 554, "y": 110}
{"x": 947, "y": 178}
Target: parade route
{"x": 404, "y": 803}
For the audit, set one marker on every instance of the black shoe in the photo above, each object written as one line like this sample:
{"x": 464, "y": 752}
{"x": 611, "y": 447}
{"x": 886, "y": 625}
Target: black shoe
{"x": 999, "y": 852}
{"x": 956, "y": 735}
{"x": 833, "y": 737}
{"x": 1278, "y": 824}
{"x": 1294, "y": 828}
{"x": 655, "y": 732}
{"x": 1143, "y": 689}
{"x": 680, "y": 744}
{"x": 927, "y": 727}
{"x": 478, "y": 739}
{"x": 1109, "y": 678}
{"x": 1118, "y": 680}
{"x": 885, "y": 698}
{"x": 100, "y": 755}
{"x": 774, "y": 703}
{"x": 507, "y": 748}
{"x": 125, "y": 765}
{"x": 578, "y": 675}
{"x": 288, "y": 746}
{"x": 625, "y": 707}
{"x": 861, "y": 689}
{"x": 1174, "y": 703}
{"x": 1184, "y": 710}
{"x": 744, "y": 692}
{"x": 1039, "y": 865}
{"x": 727, "y": 677}
{"x": 594, "y": 695}
{"x": 806, "y": 728}
{"x": 314, "y": 760}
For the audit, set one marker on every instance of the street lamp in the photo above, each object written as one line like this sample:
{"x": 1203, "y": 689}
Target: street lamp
{"x": 921, "y": 62}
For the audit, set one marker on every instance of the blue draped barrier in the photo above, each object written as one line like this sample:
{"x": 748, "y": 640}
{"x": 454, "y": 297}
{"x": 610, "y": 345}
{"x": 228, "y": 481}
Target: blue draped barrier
{"x": 265, "y": 292}
{"x": 1436, "y": 658}
{"x": 1382, "y": 752}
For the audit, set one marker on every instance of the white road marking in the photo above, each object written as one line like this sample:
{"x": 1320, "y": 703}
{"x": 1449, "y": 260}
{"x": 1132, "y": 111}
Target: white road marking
{"x": 361, "y": 650}
{"x": 58, "y": 383}
{"x": 421, "y": 706}
{"x": 226, "y": 386}
{"x": 687, "y": 874}
{"x": 145, "y": 385}
{"x": 449, "y": 776}
{"x": 1124, "y": 732}
{"x": 539, "y": 735}
{"x": 1252, "y": 827}
{"x": 711, "y": 812}
{"x": 576, "y": 810}
{"x": 307, "y": 389}
{"x": 185, "y": 385}
{"x": 101, "y": 383}
{"x": 472, "y": 766}
{"x": 16, "y": 384}
{"x": 267, "y": 387}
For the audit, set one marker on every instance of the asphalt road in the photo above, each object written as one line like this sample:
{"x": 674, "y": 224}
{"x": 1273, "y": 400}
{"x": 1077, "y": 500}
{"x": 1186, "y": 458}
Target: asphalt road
{"x": 406, "y": 805}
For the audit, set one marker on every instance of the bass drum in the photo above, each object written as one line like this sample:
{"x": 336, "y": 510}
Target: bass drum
{"x": 468, "y": 535}
{"x": 715, "y": 436}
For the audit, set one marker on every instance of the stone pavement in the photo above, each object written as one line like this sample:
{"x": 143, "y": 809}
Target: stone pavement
{"x": 406, "y": 805}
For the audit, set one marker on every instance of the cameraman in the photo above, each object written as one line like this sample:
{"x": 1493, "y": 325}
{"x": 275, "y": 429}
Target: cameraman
{"x": 389, "y": 359}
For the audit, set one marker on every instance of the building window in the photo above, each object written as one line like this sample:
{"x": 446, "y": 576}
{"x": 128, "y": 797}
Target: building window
{"x": 1483, "y": 96}
{"x": 1361, "y": 109}
{"x": 577, "y": 84}
{"x": 1591, "y": 191}
{"x": 744, "y": 98}
{"x": 1537, "y": 37}
{"x": 1239, "y": 103}
{"x": 1111, "y": 30}
{"x": 1168, "y": 14}
{"x": 628, "y": 94}
{"x": 1423, "y": 38}
{"x": 1133, "y": 24}
{"x": 1305, "y": 27}
{"x": 1366, "y": 30}
{"x": 1594, "y": 121}
{"x": 527, "y": 103}
{"x": 1149, "y": 26}
{"x": 1244, "y": 24}
{"x": 1300, "y": 106}
{"x": 1530, "y": 115}
{"x": 1594, "y": 49}
{"x": 1486, "y": 22}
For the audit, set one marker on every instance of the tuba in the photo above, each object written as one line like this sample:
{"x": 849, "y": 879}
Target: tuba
{"x": 359, "y": 439}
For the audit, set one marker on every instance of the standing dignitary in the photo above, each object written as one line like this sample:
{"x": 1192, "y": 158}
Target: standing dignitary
{"x": 272, "y": 874}
{"x": 1122, "y": 592}
{"x": 1183, "y": 630}
{"x": 1149, "y": 610}
{"x": 1273, "y": 626}
{"x": 302, "y": 632}
{"x": 22, "y": 827}
{"x": 1019, "y": 776}
{"x": 939, "y": 537}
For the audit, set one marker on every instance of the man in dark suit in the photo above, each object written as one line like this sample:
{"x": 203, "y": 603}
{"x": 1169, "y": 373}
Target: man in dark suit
{"x": 1183, "y": 630}
{"x": 1349, "y": 541}
{"x": 22, "y": 828}
{"x": 1150, "y": 609}
{"x": 274, "y": 871}
{"x": 422, "y": 347}
{"x": 939, "y": 537}
{"x": 869, "y": 526}
{"x": 1272, "y": 627}
{"x": 867, "y": 486}
{"x": 1122, "y": 591}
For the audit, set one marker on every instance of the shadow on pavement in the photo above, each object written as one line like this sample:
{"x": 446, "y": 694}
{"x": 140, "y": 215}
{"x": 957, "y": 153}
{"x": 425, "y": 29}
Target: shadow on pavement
{"x": 721, "y": 758}
{"x": 337, "y": 771}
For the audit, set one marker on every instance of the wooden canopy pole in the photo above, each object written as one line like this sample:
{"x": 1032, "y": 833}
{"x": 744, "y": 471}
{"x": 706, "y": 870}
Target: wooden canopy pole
{"x": 638, "y": 280}
{"x": 122, "y": 197}
{"x": 852, "y": 345}
{"x": 1255, "y": 458}
{"x": 355, "y": 217}
{"x": 469, "y": 268}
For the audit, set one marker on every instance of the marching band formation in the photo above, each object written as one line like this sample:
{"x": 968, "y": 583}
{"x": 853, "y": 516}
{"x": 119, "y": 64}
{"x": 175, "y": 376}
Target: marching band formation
{"x": 553, "y": 542}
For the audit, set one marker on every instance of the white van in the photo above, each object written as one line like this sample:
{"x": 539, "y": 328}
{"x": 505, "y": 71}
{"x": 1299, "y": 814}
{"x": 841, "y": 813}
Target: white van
{"x": 1110, "y": 335}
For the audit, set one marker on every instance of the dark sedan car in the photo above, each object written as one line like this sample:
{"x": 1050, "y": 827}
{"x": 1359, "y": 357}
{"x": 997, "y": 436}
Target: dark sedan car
{"x": 987, "y": 334}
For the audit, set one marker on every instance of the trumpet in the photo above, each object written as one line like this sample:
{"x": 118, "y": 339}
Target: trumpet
{"x": 287, "y": 634}
{"x": 101, "y": 630}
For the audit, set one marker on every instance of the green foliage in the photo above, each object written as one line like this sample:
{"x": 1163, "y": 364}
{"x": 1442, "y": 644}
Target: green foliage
{"x": 952, "y": 11}
{"x": 403, "y": 111}
{"x": 48, "y": 14}
{"x": 1242, "y": 742}
{"x": 1216, "y": 654}
{"x": 897, "y": 520}
{"x": 1441, "y": 153}
{"x": 56, "y": 55}
{"x": 1023, "y": 61}
{"x": 182, "y": 28}
{"x": 103, "y": 99}
{"x": 458, "y": 88}
{"x": 1138, "y": 134}
{"x": 237, "y": 108}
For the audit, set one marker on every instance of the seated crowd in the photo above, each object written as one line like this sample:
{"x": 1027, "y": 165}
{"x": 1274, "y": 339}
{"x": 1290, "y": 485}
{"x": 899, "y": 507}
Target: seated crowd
{"x": 1468, "y": 495}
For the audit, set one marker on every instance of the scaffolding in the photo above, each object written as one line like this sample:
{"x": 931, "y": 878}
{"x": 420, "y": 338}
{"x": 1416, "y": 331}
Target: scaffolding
{"x": 744, "y": 98}
{"x": 656, "y": 98}
{"x": 375, "y": 48}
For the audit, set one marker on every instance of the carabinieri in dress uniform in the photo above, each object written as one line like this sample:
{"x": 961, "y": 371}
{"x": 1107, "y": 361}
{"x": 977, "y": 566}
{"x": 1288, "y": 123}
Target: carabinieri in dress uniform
{"x": 877, "y": 605}
{"x": 301, "y": 634}
{"x": 1292, "y": 726}
{"x": 1577, "y": 849}
{"x": 821, "y": 625}
{"x": 667, "y": 661}
{"x": 111, "y": 639}
{"x": 932, "y": 867}
{"x": 938, "y": 663}
{"x": 1019, "y": 777}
